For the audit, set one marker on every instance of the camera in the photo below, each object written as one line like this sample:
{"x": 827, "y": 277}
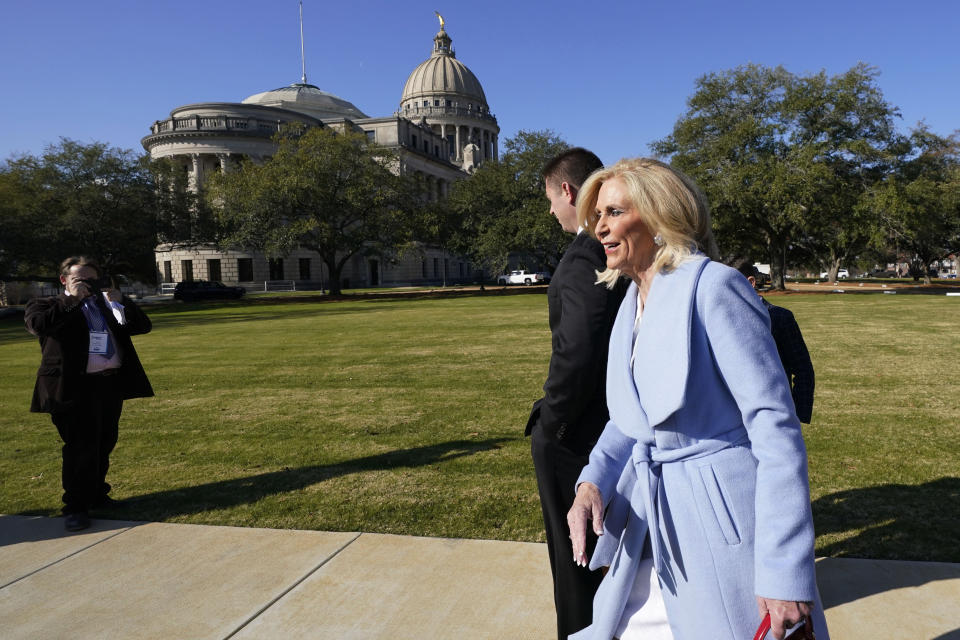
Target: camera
{"x": 96, "y": 284}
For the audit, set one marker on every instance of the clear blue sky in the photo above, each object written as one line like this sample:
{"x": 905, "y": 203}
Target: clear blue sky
{"x": 612, "y": 76}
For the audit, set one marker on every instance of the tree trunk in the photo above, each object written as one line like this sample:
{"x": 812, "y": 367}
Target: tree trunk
{"x": 334, "y": 270}
{"x": 778, "y": 265}
{"x": 777, "y": 255}
{"x": 834, "y": 267}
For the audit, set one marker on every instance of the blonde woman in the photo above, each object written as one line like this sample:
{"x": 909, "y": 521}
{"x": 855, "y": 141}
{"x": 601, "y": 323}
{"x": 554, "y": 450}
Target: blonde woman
{"x": 698, "y": 485}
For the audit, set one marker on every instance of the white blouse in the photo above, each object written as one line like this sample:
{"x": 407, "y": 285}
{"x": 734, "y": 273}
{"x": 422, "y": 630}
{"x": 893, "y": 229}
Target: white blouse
{"x": 645, "y": 616}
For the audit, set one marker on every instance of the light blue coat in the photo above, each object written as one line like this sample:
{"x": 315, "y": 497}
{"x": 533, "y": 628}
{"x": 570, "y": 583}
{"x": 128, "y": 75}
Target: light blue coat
{"x": 704, "y": 443}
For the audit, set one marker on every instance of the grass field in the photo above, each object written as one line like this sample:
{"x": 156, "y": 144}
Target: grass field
{"x": 406, "y": 416}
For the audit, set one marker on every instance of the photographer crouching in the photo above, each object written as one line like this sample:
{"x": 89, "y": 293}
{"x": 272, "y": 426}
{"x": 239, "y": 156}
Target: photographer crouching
{"x": 88, "y": 368}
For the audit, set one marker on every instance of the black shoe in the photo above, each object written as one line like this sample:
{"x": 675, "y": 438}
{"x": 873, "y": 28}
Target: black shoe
{"x": 76, "y": 521}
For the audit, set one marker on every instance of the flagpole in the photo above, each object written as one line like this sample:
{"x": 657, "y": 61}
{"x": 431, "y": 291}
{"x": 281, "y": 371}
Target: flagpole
{"x": 303, "y": 59}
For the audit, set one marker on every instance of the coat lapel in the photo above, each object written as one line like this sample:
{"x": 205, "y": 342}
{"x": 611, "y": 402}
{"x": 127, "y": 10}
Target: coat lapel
{"x": 656, "y": 386}
{"x": 622, "y": 399}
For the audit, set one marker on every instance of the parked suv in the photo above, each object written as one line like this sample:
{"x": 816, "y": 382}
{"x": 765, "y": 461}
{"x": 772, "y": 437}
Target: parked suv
{"x": 203, "y": 290}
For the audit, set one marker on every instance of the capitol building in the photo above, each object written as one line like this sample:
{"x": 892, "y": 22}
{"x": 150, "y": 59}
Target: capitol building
{"x": 442, "y": 130}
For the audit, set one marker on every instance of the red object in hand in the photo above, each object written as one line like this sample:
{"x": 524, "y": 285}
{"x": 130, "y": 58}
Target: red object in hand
{"x": 803, "y": 632}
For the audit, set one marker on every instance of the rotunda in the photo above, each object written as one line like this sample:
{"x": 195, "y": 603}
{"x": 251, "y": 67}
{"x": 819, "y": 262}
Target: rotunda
{"x": 442, "y": 92}
{"x": 442, "y": 131}
{"x": 308, "y": 99}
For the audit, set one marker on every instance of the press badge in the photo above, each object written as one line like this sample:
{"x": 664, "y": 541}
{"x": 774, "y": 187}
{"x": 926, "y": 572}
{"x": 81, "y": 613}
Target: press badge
{"x": 98, "y": 342}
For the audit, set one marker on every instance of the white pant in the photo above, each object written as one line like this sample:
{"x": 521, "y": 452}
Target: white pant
{"x": 645, "y": 616}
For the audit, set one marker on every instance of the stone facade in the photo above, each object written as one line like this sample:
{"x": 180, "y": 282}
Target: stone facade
{"x": 425, "y": 266}
{"x": 443, "y": 130}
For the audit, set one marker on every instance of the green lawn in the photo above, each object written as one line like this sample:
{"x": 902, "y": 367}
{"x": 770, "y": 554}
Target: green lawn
{"x": 406, "y": 416}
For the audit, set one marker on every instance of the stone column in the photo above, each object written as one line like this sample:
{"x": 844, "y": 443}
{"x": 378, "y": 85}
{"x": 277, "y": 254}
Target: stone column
{"x": 224, "y": 162}
{"x": 459, "y": 156}
{"x": 196, "y": 175}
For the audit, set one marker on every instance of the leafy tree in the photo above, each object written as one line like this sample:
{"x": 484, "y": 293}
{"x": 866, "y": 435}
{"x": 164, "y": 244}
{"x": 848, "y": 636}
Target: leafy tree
{"x": 919, "y": 202}
{"x": 335, "y": 193}
{"x": 183, "y": 217}
{"x": 501, "y": 209}
{"x": 434, "y": 224}
{"x": 77, "y": 198}
{"x": 849, "y": 128}
{"x": 784, "y": 160}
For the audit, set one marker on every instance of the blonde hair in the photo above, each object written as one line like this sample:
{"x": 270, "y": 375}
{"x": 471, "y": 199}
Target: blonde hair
{"x": 669, "y": 204}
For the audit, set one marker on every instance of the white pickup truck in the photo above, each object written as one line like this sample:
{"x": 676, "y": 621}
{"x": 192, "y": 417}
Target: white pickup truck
{"x": 523, "y": 277}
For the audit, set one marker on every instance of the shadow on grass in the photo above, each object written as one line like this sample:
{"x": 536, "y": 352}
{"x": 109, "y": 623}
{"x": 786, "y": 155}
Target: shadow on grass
{"x": 893, "y": 522}
{"x": 162, "y": 505}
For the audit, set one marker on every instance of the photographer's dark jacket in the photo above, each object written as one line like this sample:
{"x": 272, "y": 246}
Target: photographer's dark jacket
{"x": 64, "y": 341}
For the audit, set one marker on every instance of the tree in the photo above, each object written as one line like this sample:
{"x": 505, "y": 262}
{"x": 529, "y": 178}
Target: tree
{"x": 849, "y": 128}
{"x": 501, "y": 209}
{"x": 76, "y": 198}
{"x": 784, "y": 160}
{"x": 335, "y": 193}
{"x": 919, "y": 201}
{"x": 183, "y": 217}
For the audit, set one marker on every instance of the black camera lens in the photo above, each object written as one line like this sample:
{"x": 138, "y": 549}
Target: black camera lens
{"x": 94, "y": 284}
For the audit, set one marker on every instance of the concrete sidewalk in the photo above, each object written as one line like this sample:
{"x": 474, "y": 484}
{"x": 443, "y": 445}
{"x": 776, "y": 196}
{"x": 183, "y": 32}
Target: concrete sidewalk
{"x": 154, "y": 580}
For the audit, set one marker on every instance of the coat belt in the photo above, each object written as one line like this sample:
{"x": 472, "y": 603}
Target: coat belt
{"x": 625, "y": 526}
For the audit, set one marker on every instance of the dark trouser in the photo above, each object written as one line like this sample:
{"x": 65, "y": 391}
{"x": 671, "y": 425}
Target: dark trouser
{"x": 89, "y": 433}
{"x": 573, "y": 587}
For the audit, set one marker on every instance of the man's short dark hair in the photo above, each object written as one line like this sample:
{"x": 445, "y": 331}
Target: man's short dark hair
{"x": 81, "y": 261}
{"x": 572, "y": 166}
{"x": 745, "y": 266}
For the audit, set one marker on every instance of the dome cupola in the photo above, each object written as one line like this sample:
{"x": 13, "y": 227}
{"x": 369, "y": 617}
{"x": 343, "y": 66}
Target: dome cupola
{"x": 443, "y": 77}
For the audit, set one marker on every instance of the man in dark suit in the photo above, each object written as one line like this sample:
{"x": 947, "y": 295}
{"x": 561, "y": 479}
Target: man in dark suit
{"x": 790, "y": 346}
{"x": 88, "y": 368}
{"x": 566, "y": 422}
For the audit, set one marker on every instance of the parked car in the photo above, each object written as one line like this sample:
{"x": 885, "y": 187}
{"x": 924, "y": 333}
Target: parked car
{"x": 883, "y": 273}
{"x": 204, "y": 290}
{"x": 523, "y": 277}
{"x": 842, "y": 274}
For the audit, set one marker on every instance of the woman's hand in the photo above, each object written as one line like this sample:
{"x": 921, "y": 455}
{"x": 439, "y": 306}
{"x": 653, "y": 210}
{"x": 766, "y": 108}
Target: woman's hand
{"x": 783, "y": 614}
{"x": 588, "y": 505}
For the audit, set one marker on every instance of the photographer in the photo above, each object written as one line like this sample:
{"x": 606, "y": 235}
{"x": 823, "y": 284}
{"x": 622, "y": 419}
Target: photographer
{"x": 88, "y": 368}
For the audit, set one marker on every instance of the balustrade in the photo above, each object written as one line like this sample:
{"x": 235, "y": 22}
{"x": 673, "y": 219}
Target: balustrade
{"x": 215, "y": 123}
{"x": 448, "y": 111}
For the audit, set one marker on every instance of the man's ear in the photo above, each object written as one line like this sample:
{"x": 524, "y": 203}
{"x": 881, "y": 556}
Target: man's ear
{"x": 569, "y": 192}
{"x": 63, "y": 279}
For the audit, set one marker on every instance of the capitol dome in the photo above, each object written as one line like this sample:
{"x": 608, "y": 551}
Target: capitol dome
{"x": 308, "y": 99}
{"x": 444, "y": 77}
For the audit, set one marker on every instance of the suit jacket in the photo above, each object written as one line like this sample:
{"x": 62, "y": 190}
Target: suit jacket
{"x": 64, "y": 342}
{"x": 703, "y": 457}
{"x": 795, "y": 358}
{"x": 573, "y": 408}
